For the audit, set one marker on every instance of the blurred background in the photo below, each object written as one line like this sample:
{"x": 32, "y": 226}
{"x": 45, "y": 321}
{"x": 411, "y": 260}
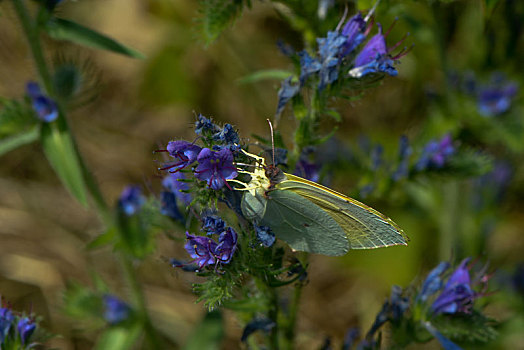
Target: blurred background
{"x": 132, "y": 107}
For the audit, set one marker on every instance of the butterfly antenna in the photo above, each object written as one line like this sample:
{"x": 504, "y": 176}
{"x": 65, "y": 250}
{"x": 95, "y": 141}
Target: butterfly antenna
{"x": 272, "y": 140}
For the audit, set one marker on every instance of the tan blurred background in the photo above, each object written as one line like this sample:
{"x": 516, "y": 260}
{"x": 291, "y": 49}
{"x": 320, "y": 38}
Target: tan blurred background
{"x": 142, "y": 104}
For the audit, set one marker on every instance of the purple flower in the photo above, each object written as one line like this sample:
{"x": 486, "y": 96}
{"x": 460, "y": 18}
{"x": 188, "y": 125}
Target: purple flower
{"x": 131, "y": 200}
{"x": 25, "y": 327}
{"x": 458, "y": 294}
{"x": 205, "y": 126}
{"x": 213, "y": 224}
{"x": 265, "y": 235}
{"x": 436, "y": 153}
{"x": 215, "y": 168}
{"x": 307, "y": 170}
{"x": 355, "y": 32}
{"x": 374, "y": 57}
{"x": 6, "y": 320}
{"x": 172, "y": 184}
{"x": 227, "y": 244}
{"x": 496, "y": 99}
{"x": 45, "y": 108}
{"x": 184, "y": 152}
{"x": 115, "y": 310}
{"x": 201, "y": 249}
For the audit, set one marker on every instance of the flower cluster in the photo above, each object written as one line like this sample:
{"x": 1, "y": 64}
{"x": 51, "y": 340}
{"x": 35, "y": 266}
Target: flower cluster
{"x": 205, "y": 251}
{"x": 44, "y": 107}
{"x": 440, "y": 295}
{"x": 16, "y": 331}
{"x": 215, "y": 165}
{"x": 493, "y": 98}
{"x": 458, "y": 292}
{"x": 337, "y": 52}
{"x": 436, "y": 153}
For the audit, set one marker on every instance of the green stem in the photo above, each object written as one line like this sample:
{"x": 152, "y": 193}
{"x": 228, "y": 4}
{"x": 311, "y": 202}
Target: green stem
{"x": 32, "y": 34}
{"x": 31, "y": 31}
{"x": 289, "y": 331}
{"x": 450, "y": 220}
{"x": 139, "y": 302}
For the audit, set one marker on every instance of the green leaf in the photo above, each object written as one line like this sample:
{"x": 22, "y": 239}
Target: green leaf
{"x": 60, "y": 151}
{"x": 267, "y": 74}
{"x": 62, "y": 29}
{"x": 208, "y": 334}
{"x": 471, "y": 328}
{"x": 217, "y": 15}
{"x": 15, "y": 117}
{"x": 103, "y": 239}
{"x": 10, "y": 143}
{"x": 119, "y": 338}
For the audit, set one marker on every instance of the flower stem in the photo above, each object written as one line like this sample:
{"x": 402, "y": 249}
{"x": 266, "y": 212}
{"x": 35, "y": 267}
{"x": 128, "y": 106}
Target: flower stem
{"x": 32, "y": 34}
{"x": 139, "y": 302}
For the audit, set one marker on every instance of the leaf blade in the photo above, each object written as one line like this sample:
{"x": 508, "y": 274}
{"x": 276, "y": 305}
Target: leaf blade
{"x": 62, "y": 29}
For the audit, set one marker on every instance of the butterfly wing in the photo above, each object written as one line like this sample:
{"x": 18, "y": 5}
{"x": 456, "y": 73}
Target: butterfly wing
{"x": 297, "y": 221}
{"x": 365, "y": 227}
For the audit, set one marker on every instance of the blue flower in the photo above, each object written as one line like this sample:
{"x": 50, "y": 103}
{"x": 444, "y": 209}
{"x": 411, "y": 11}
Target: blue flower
{"x": 131, "y": 200}
{"x": 265, "y": 235}
{"x": 374, "y": 57}
{"x": 329, "y": 50}
{"x": 287, "y": 91}
{"x": 45, "y": 108}
{"x": 355, "y": 32}
{"x": 496, "y": 98}
{"x": 172, "y": 184}
{"x": 26, "y": 328}
{"x": 205, "y": 126}
{"x": 392, "y": 310}
{"x": 458, "y": 294}
{"x": 436, "y": 153}
{"x": 403, "y": 159}
{"x": 115, "y": 310}
{"x": 170, "y": 206}
{"x": 184, "y": 152}
{"x": 308, "y": 66}
{"x": 433, "y": 282}
{"x": 263, "y": 324}
{"x": 227, "y": 244}
{"x": 216, "y": 168}
{"x": 6, "y": 320}
{"x": 307, "y": 170}
{"x": 201, "y": 249}
{"x": 227, "y": 135}
{"x": 213, "y": 224}
{"x": 376, "y": 157}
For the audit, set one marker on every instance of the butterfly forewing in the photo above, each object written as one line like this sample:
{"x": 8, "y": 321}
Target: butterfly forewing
{"x": 365, "y": 227}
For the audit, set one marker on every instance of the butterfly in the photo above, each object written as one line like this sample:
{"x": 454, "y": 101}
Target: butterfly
{"x": 313, "y": 218}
